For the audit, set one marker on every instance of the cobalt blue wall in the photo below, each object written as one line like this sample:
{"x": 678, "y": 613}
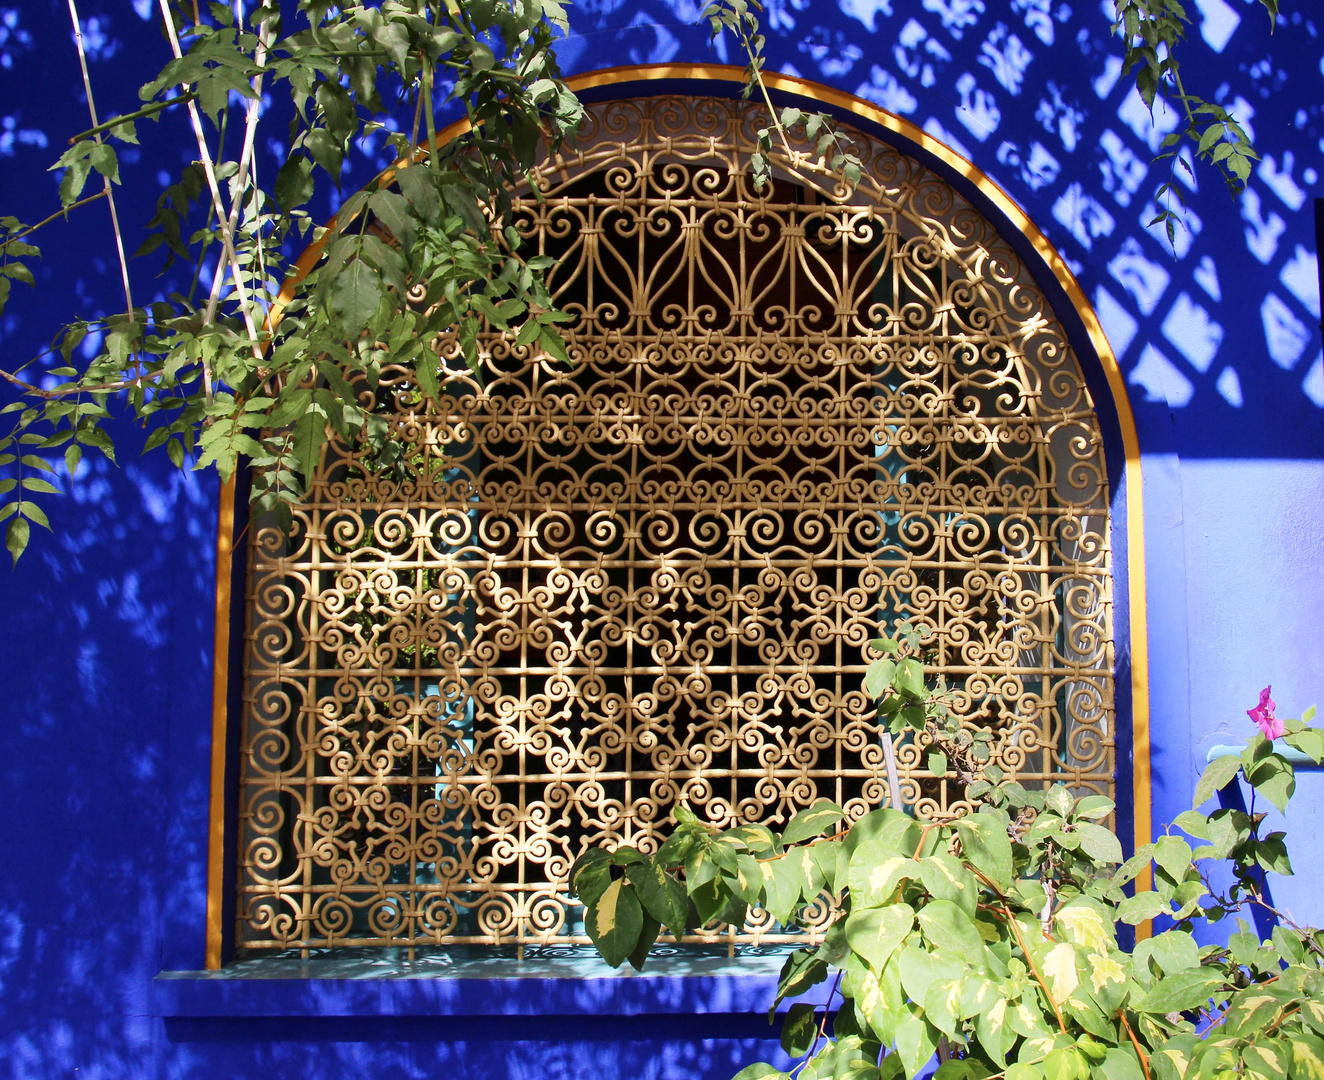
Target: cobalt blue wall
{"x": 105, "y": 630}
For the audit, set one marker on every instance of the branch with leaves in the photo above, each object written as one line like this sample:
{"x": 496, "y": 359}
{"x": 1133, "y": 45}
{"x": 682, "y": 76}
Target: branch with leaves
{"x": 262, "y": 364}
{"x": 426, "y": 253}
{"x": 1152, "y": 32}
{"x": 998, "y": 941}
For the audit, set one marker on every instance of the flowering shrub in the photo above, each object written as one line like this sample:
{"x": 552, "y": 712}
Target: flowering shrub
{"x": 1000, "y": 941}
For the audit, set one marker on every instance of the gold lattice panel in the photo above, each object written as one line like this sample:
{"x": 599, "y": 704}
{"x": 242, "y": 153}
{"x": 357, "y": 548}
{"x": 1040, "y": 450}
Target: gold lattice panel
{"x": 581, "y": 594}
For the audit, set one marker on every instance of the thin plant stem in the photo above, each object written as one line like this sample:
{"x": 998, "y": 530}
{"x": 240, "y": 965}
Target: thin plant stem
{"x": 757, "y": 76}
{"x": 28, "y": 230}
{"x": 209, "y": 169}
{"x": 418, "y": 114}
{"x": 239, "y": 185}
{"x": 55, "y": 395}
{"x": 1144, "y": 1058}
{"x": 116, "y": 121}
{"x": 110, "y": 196}
{"x": 1034, "y": 968}
{"x": 893, "y": 779}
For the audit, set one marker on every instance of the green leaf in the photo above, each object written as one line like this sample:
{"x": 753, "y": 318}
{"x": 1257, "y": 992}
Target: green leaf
{"x": 1119, "y": 1064}
{"x": 760, "y": 1070}
{"x": 1193, "y": 823}
{"x": 949, "y": 928}
{"x": 992, "y": 1029}
{"x": 947, "y": 878}
{"x": 1099, "y": 844}
{"x": 1217, "y": 776}
{"x": 1087, "y": 923}
{"x": 878, "y": 677}
{"x": 294, "y": 183}
{"x": 799, "y": 1029}
{"x": 103, "y": 159}
{"x": 327, "y": 151}
{"x": 647, "y": 939}
{"x": 1173, "y": 854}
{"x": 876, "y": 933}
{"x": 747, "y": 881}
{"x": 354, "y": 295}
{"x": 812, "y": 821}
{"x": 34, "y": 513}
{"x": 916, "y": 1040}
{"x": 1174, "y": 950}
{"x": 1307, "y": 1057}
{"x": 16, "y": 537}
{"x": 615, "y": 921}
{"x": 1310, "y": 741}
{"x": 1267, "y": 1059}
{"x": 783, "y": 884}
{"x": 590, "y": 875}
{"x": 1093, "y": 807}
{"x": 1275, "y": 779}
{"x": 662, "y": 896}
{"x": 553, "y": 345}
{"x": 942, "y": 1005}
{"x": 833, "y": 866}
{"x": 1182, "y": 991}
{"x": 1143, "y": 905}
{"x": 802, "y": 969}
{"x": 919, "y": 969}
{"x": 987, "y": 847}
{"x": 1253, "y": 1009}
{"x": 937, "y": 762}
{"x": 835, "y": 950}
{"x": 910, "y": 678}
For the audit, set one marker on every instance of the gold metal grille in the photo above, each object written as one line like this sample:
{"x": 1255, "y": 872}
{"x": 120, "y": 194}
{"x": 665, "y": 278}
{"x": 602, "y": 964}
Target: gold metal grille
{"x": 584, "y": 593}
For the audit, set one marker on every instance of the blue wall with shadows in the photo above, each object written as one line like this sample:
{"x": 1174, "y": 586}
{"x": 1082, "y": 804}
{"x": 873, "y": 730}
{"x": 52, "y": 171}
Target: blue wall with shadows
{"x": 106, "y": 628}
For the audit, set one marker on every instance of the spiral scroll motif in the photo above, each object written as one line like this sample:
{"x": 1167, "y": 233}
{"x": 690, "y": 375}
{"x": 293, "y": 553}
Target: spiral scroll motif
{"x": 584, "y": 593}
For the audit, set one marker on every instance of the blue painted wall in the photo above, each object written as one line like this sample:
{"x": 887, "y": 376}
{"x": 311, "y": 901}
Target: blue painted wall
{"x": 105, "y": 630}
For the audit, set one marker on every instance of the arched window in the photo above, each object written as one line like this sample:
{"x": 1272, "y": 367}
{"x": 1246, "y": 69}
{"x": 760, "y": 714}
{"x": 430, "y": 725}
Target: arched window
{"x": 586, "y": 592}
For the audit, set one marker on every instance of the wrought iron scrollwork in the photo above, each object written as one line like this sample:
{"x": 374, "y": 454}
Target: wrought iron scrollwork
{"x": 584, "y": 593}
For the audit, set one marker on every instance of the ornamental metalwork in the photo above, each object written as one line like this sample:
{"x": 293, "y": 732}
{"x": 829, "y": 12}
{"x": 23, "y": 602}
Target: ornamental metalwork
{"x": 584, "y": 593}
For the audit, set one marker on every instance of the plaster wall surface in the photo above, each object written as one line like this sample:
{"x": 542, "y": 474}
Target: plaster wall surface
{"x": 106, "y": 627}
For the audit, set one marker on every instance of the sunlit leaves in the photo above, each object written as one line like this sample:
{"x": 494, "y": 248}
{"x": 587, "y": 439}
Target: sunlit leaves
{"x": 876, "y": 933}
{"x": 17, "y": 533}
{"x": 1151, "y": 31}
{"x": 79, "y": 161}
{"x": 615, "y": 921}
{"x": 811, "y": 822}
{"x": 201, "y": 369}
{"x": 1000, "y": 936}
{"x": 987, "y": 848}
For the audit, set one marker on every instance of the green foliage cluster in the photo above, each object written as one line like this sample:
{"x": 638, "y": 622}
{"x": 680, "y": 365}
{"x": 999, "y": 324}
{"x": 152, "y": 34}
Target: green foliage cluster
{"x": 997, "y": 941}
{"x": 263, "y": 362}
{"x": 429, "y": 254}
{"x": 1151, "y": 30}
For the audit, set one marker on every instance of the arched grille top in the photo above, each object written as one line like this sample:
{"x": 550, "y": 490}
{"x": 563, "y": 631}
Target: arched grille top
{"x": 585, "y": 592}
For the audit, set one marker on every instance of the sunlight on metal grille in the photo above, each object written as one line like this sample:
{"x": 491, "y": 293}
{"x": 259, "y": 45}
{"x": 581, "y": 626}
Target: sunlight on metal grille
{"x": 581, "y": 594}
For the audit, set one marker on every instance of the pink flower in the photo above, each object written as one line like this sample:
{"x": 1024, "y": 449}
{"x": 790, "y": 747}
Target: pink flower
{"x": 1262, "y": 714}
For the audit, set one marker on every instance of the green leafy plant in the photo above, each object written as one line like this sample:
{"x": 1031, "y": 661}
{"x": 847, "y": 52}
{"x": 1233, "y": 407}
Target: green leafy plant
{"x": 1002, "y": 941}
{"x": 265, "y": 360}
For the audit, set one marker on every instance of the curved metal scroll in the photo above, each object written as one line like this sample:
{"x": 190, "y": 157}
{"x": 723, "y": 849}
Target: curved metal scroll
{"x": 585, "y": 593}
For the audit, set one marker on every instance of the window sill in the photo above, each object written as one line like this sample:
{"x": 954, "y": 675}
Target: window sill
{"x": 495, "y": 987}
